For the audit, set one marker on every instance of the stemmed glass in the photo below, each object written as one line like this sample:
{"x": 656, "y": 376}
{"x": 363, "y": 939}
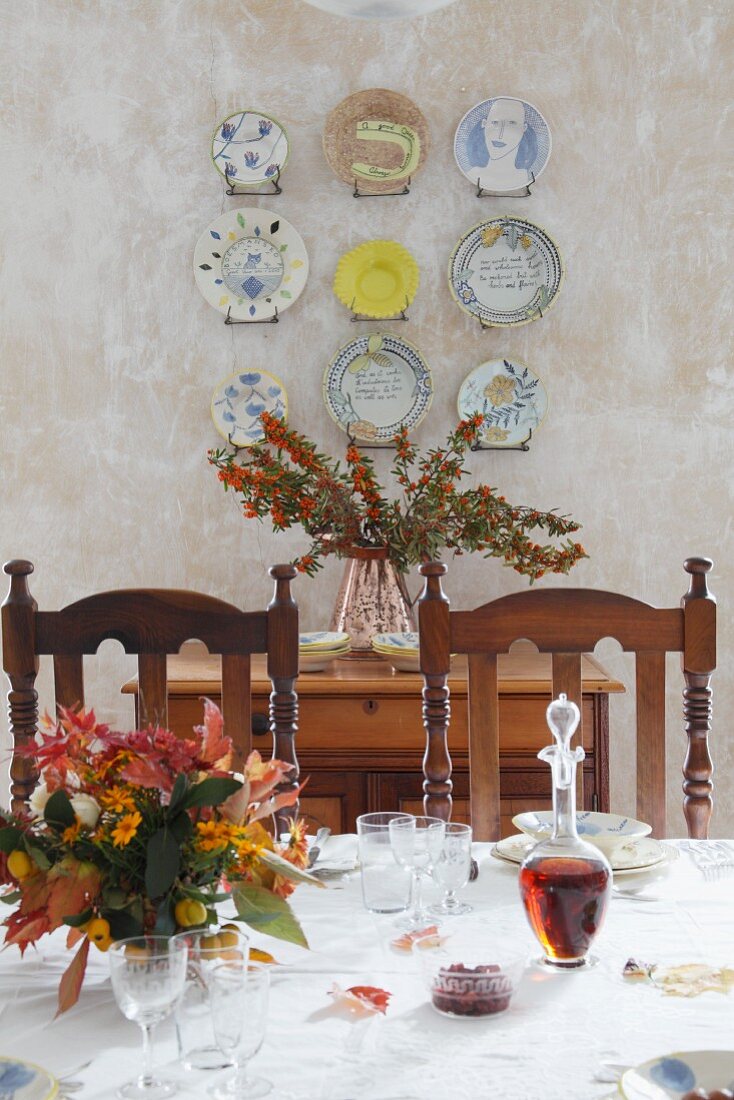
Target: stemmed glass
{"x": 239, "y": 1003}
{"x": 452, "y": 870}
{"x": 416, "y": 843}
{"x": 148, "y": 975}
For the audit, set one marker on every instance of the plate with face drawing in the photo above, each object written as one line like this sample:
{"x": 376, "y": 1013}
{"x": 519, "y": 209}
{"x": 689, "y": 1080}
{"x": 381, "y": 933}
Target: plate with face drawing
{"x": 510, "y": 397}
{"x": 377, "y": 384}
{"x": 250, "y": 261}
{"x": 502, "y": 144}
{"x": 238, "y": 401}
{"x": 505, "y": 271}
{"x": 249, "y": 148}
{"x": 376, "y": 139}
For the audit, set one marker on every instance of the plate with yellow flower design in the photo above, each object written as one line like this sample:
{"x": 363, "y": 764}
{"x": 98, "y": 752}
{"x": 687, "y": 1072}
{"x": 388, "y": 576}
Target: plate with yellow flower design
{"x": 377, "y": 384}
{"x": 249, "y": 263}
{"x": 505, "y": 271}
{"x": 510, "y": 397}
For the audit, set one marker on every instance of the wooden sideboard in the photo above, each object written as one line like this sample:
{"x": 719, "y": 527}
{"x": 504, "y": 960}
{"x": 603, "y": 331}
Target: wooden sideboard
{"x": 360, "y": 740}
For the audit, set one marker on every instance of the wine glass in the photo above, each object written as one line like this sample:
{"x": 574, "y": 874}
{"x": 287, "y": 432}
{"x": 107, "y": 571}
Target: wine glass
{"x": 239, "y": 1004}
{"x": 148, "y": 976}
{"x": 416, "y": 843}
{"x": 452, "y": 869}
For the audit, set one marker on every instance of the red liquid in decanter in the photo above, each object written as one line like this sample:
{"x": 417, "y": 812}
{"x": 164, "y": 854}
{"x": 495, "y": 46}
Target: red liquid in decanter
{"x": 565, "y": 901}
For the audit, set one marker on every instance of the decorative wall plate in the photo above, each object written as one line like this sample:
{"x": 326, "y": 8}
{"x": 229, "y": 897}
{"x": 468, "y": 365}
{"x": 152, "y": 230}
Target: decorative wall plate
{"x": 238, "y": 401}
{"x": 378, "y": 279}
{"x": 675, "y": 1074}
{"x": 377, "y": 384}
{"x": 250, "y": 148}
{"x": 376, "y": 138}
{"x": 248, "y": 262}
{"x": 502, "y": 144}
{"x": 505, "y": 271}
{"x": 510, "y": 397}
{"x": 26, "y": 1081}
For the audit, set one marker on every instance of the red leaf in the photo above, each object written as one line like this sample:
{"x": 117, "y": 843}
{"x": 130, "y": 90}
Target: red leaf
{"x": 147, "y": 773}
{"x": 361, "y": 999}
{"x": 215, "y": 747}
{"x": 74, "y": 887}
{"x": 71, "y": 982}
{"x": 25, "y": 928}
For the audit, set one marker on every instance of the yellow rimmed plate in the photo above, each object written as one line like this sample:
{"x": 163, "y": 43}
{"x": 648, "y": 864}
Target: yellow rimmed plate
{"x": 377, "y": 279}
{"x": 26, "y": 1081}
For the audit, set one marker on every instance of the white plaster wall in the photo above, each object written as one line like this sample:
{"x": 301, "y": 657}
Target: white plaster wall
{"x": 108, "y": 354}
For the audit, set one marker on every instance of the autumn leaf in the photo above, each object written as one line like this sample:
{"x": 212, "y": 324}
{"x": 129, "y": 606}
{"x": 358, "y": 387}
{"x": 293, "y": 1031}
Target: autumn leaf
{"x": 216, "y": 749}
{"x": 429, "y": 937}
{"x": 71, "y": 982}
{"x": 145, "y": 772}
{"x": 361, "y": 999}
{"x": 25, "y": 928}
{"x": 73, "y": 886}
{"x": 258, "y": 956}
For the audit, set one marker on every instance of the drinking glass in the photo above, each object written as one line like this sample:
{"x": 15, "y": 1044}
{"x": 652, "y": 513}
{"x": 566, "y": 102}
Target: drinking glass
{"x": 385, "y": 883}
{"x": 197, "y": 1043}
{"x": 452, "y": 869}
{"x": 239, "y": 1002}
{"x": 148, "y": 976}
{"x": 416, "y": 844}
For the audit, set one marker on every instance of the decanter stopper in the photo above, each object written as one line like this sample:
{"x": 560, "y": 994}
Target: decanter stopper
{"x": 563, "y": 717}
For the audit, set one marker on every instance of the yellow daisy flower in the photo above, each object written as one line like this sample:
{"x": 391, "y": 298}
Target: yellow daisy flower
{"x": 118, "y": 799}
{"x": 212, "y": 835}
{"x": 125, "y": 829}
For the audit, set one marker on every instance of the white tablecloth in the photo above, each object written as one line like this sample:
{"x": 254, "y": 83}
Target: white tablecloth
{"x": 549, "y": 1044}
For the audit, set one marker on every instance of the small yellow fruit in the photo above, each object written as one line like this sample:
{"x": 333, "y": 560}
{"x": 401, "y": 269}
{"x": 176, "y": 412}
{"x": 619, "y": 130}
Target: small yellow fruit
{"x": 232, "y": 954}
{"x": 98, "y": 931}
{"x": 20, "y": 864}
{"x": 233, "y": 927}
{"x": 210, "y": 945}
{"x": 229, "y": 938}
{"x": 189, "y": 912}
{"x": 133, "y": 951}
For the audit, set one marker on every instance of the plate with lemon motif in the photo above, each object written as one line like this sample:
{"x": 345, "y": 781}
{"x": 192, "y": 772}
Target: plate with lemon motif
{"x": 505, "y": 271}
{"x": 510, "y": 397}
{"x": 377, "y": 279}
{"x": 250, "y": 263}
{"x": 377, "y": 384}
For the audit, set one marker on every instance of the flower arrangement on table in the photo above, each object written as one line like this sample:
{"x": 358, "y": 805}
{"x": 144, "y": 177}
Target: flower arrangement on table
{"x": 343, "y": 507}
{"x": 144, "y": 832}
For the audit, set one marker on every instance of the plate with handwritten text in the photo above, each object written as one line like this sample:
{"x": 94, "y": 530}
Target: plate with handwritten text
{"x": 377, "y": 384}
{"x": 376, "y": 140}
{"x": 505, "y": 271}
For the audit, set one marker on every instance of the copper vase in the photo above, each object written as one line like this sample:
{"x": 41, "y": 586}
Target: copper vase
{"x": 372, "y": 599}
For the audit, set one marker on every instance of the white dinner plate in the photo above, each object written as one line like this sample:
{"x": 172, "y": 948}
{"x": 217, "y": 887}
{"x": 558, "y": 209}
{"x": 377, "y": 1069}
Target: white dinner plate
{"x": 510, "y": 397}
{"x": 26, "y": 1081}
{"x": 670, "y": 1076}
{"x": 637, "y": 855}
{"x": 250, "y": 261}
{"x": 502, "y": 144}
{"x": 238, "y": 401}
{"x": 322, "y": 639}
{"x": 249, "y": 148}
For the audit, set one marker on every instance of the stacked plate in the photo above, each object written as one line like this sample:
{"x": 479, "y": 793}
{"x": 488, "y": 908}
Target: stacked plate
{"x": 319, "y": 647}
{"x": 633, "y": 857}
{"x": 400, "y": 649}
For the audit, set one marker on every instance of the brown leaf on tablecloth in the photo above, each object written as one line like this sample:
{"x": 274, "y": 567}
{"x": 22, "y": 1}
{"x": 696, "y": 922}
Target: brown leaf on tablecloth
{"x": 429, "y": 937}
{"x": 361, "y": 999}
{"x": 686, "y": 980}
{"x": 72, "y": 979}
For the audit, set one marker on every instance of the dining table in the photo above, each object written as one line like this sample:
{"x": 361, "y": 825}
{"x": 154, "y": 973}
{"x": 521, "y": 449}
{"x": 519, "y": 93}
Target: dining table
{"x": 563, "y": 1037}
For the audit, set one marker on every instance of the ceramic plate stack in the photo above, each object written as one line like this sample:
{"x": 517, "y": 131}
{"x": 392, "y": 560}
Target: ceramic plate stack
{"x": 400, "y": 649}
{"x": 317, "y": 649}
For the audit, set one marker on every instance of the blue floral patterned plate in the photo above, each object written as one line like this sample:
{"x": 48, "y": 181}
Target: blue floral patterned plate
{"x": 502, "y": 144}
{"x": 669, "y": 1077}
{"x": 511, "y": 398}
{"x": 249, "y": 148}
{"x": 238, "y": 401}
{"x": 25, "y": 1081}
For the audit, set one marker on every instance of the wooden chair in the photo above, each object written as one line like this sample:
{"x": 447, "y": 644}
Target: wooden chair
{"x": 568, "y": 622}
{"x": 150, "y": 623}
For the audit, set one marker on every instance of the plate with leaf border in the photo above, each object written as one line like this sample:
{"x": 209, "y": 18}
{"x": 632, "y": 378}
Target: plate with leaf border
{"x": 516, "y": 129}
{"x": 26, "y": 1081}
{"x": 249, "y": 261}
{"x": 639, "y": 855}
{"x": 505, "y": 271}
{"x": 669, "y": 1076}
{"x": 377, "y": 384}
{"x": 250, "y": 148}
{"x": 238, "y": 401}
{"x": 377, "y": 279}
{"x": 511, "y": 398}
{"x": 377, "y": 139}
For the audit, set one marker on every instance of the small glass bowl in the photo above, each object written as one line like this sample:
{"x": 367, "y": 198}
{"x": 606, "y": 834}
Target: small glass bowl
{"x": 466, "y": 977}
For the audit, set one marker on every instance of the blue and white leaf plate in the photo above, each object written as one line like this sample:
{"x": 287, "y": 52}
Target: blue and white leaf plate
{"x": 25, "y": 1081}
{"x": 502, "y": 144}
{"x": 238, "y": 401}
{"x": 318, "y": 640}
{"x": 250, "y": 148}
{"x": 376, "y": 385}
{"x": 671, "y": 1076}
{"x": 511, "y": 398}
{"x": 249, "y": 262}
{"x": 505, "y": 271}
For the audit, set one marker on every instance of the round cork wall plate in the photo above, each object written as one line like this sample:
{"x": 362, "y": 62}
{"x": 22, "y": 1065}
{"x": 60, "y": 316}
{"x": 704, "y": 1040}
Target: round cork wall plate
{"x": 376, "y": 139}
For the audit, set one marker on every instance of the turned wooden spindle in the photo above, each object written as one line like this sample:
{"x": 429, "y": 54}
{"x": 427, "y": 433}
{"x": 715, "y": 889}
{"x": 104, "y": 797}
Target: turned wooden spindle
{"x": 698, "y": 662}
{"x": 21, "y": 667}
{"x": 283, "y": 672}
{"x": 435, "y": 656}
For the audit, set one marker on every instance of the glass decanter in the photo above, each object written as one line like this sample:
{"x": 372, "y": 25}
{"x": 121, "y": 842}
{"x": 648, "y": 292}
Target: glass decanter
{"x": 565, "y": 883}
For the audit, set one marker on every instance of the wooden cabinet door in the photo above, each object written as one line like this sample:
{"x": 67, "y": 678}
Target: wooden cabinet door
{"x": 334, "y": 799}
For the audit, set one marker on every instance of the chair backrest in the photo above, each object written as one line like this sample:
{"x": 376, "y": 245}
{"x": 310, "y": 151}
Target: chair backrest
{"x": 150, "y": 623}
{"x": 568, "y": 622}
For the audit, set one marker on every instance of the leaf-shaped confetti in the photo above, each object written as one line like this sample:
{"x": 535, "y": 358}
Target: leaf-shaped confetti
{"x": 381, "y": 359}
{"x": 217, "y": 236}
{"x": 274, "y": 227}
{"x": 525, "y": 241}
{"x": 240, "y": 221}
{"x": 362, "y": 362}
{"x": 286, "y": 294}
{"x": 512, "y": 235}
{"x": 258, "y": 956}
{"x": 361, "y": 1000}
{"x": 491, "y": 234}
{"x": 297, "y": 263}
{"x": 428, "y": 937}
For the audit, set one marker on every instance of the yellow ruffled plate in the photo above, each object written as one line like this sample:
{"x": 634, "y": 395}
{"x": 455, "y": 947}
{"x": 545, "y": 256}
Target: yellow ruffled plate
{"x": 377, "y": 279}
